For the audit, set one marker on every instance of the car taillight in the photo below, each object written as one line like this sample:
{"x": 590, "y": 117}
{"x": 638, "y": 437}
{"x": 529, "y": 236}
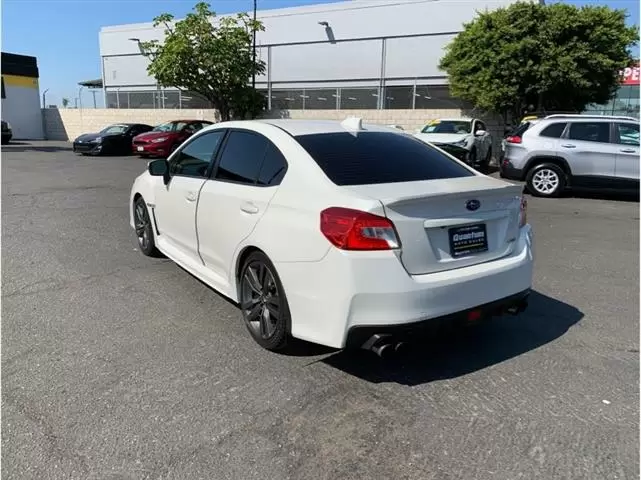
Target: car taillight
{"x": 350, "y": 229}
{"x": 513, "y": 139}
{"x": 523, "y": 212}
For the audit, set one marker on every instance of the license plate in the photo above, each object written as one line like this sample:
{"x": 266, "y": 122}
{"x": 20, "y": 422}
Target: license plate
{"x": 468, "y": 240}
{"x": 141, "y": 149}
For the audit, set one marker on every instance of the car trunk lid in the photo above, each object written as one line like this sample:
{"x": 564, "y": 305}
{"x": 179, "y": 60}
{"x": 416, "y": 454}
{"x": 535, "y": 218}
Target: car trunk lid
{"x": 448, "y": 224}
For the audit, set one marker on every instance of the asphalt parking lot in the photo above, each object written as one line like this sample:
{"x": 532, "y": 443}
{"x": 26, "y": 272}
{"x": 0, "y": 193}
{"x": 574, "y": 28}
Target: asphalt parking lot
{"x": 117, "y": 366}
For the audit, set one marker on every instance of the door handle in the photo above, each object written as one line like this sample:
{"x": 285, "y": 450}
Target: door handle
{"x": 249, "y": 207}
{"x": 628, "y": 150}
{"x": 191, "y": 196}
{"x": 568, "y": 145}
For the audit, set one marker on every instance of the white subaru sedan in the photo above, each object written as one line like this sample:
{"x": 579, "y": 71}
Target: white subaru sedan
{"x": 339, "y": 233}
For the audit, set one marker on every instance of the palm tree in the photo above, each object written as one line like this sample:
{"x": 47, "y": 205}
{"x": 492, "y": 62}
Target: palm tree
{"x": 65, "y": 102}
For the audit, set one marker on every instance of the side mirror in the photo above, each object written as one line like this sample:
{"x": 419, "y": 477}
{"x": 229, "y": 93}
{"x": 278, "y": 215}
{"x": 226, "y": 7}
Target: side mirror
{"x": 480, "y": 133}
{"x": 159, "y": 168}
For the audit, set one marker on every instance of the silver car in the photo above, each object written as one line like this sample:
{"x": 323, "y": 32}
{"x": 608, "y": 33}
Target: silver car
{"x": 577, "y": 151}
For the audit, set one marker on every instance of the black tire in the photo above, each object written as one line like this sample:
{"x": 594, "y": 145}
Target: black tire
{"x": 488, "y": 158}
{"x": 144, "y": 229}
{"x": 471, "y": 159}
{"x": 546, "y": 180}
{"x": 263, "y": 303}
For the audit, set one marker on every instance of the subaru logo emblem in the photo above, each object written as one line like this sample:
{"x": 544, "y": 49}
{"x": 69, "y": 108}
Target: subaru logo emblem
{"x": 472, "y": 205}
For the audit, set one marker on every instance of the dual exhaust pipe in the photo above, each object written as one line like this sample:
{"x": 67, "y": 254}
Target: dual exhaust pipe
{"x": 385, "y": 346}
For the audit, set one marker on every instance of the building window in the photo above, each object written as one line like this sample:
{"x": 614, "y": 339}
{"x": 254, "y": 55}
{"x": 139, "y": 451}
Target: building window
{"x": 194, "y": 100}
{"x": 139, "y": 100}
{"x": 321, "y": 99}
{"x": 171, "y": 99}
{"x": 288, "y": 99}
{"x": 112, "y": 100}
{"x": 399, "y": 98}
{"x": 358, "y": 98}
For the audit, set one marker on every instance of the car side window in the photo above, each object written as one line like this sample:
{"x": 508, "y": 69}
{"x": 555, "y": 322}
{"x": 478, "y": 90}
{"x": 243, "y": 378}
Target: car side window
{"x": 590, "y": 132}
{"x": 194, "y": 159}
{"x": 553, "y": 131}
{"x": 242, "y": 157}
{"x": 273, "y": 168}
{"x": 627, "y": 134}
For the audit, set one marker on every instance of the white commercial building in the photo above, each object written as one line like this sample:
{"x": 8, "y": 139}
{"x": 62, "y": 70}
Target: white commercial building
{"x": 356, "y": 54}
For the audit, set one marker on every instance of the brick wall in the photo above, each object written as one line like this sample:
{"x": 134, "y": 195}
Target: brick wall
{"x": 67, "y": 124}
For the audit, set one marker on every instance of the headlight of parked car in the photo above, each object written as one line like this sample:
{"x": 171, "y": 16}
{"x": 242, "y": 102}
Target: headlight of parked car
{"x": 462, "y": 143}
{"x": 158, "y": 140}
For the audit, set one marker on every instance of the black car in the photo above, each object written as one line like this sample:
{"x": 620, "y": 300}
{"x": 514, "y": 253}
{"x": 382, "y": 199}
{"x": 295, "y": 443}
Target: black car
{"x": 113, "y": 140}
{"x": 7, "y": 133}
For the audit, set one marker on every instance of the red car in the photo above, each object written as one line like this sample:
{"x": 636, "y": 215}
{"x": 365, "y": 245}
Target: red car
{"x": 166, "y": 137}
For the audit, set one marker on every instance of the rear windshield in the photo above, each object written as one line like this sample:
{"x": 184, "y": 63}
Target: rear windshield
{"x": 369, "y": 158}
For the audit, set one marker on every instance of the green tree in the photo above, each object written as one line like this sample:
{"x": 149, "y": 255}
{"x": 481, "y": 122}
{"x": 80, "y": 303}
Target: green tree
{"x": 65, "y": 102}
{"x": 210, "y": 56}
{"x": 556, "y": 56}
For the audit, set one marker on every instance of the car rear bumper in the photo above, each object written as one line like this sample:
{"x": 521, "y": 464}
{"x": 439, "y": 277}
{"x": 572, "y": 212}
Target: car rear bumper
{"x": 151, "y": 149}
{"x": 351, "y": 295}
{"x": 509, "y": 171}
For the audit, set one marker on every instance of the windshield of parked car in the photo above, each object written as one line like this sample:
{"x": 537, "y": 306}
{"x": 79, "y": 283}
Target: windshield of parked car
{"x": 378, "y": 157}
{"x": 114, "y": 130}
{"x": 448, "y": 126}
{"x": 169, "y": 127}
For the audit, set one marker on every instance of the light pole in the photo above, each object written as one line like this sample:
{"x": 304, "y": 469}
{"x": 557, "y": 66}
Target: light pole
{"x": 80, "y": 96}
{"x": 44, "y": 98}
{"x": 254, "y": 49}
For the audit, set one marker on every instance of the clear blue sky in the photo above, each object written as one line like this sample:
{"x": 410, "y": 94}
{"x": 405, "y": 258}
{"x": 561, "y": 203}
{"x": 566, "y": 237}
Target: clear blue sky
{"x": 63, "y": 34}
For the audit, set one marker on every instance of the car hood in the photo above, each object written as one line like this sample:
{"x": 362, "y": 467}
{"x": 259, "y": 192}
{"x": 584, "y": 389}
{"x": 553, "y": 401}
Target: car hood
{"x": 442, "y": 137}
{"x": 153, "y": 135}
{"x": 87, "y": 137}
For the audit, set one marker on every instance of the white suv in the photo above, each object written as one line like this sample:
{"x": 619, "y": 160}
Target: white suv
{"x": 578, "y": 151}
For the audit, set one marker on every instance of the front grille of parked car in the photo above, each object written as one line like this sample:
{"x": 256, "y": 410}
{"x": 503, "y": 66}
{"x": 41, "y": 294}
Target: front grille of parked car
{"x": 141, "y": 142}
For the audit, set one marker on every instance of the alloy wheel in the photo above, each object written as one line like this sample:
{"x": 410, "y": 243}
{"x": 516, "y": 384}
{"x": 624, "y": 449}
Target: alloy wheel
{"x": 142, "y": 224}
{"x": 545, "y": 181}
{"x": 260, "y": 299}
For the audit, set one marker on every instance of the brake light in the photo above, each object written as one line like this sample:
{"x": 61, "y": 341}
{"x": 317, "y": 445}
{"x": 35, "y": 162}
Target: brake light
{"x": 350, "y": 229}
{"x": 523, "y": 212}
{"x": 513, "y": 139}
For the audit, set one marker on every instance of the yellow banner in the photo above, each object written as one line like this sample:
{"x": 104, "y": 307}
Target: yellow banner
{"x": 19, "y": 81}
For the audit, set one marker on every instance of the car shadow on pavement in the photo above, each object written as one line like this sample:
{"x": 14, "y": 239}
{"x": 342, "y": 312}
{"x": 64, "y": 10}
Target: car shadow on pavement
{"x": 454, "y": 354}
{"x": 28, "y": 147}
{"x": 611, "y": 196}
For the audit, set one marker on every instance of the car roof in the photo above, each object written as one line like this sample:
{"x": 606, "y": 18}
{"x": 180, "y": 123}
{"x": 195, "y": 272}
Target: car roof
{"x": 187, "y": 120}
{"x": 310, "y": 127}
{"x": 459, "y": 119}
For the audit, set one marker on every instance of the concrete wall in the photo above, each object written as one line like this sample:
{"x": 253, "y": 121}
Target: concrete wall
{"x": 21, "y": 107}
{"x": 67, "y": 124}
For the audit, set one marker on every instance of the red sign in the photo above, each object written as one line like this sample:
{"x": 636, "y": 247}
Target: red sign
{"x": 630, "y": 75}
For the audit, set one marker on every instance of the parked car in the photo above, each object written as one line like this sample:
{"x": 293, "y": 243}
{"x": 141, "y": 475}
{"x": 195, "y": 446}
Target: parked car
{"x": 577, "y": 151}
{"x": 114, "y": 139}
{"x": 317, "y": 235}
{"x": 465, "y": 138}
{"x": 526, "y": 122}
{"x": 166, "y": 137}
{"x": 7, "y": 132}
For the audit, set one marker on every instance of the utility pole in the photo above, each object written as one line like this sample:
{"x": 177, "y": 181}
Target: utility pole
{"x": 254, "y": 47}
